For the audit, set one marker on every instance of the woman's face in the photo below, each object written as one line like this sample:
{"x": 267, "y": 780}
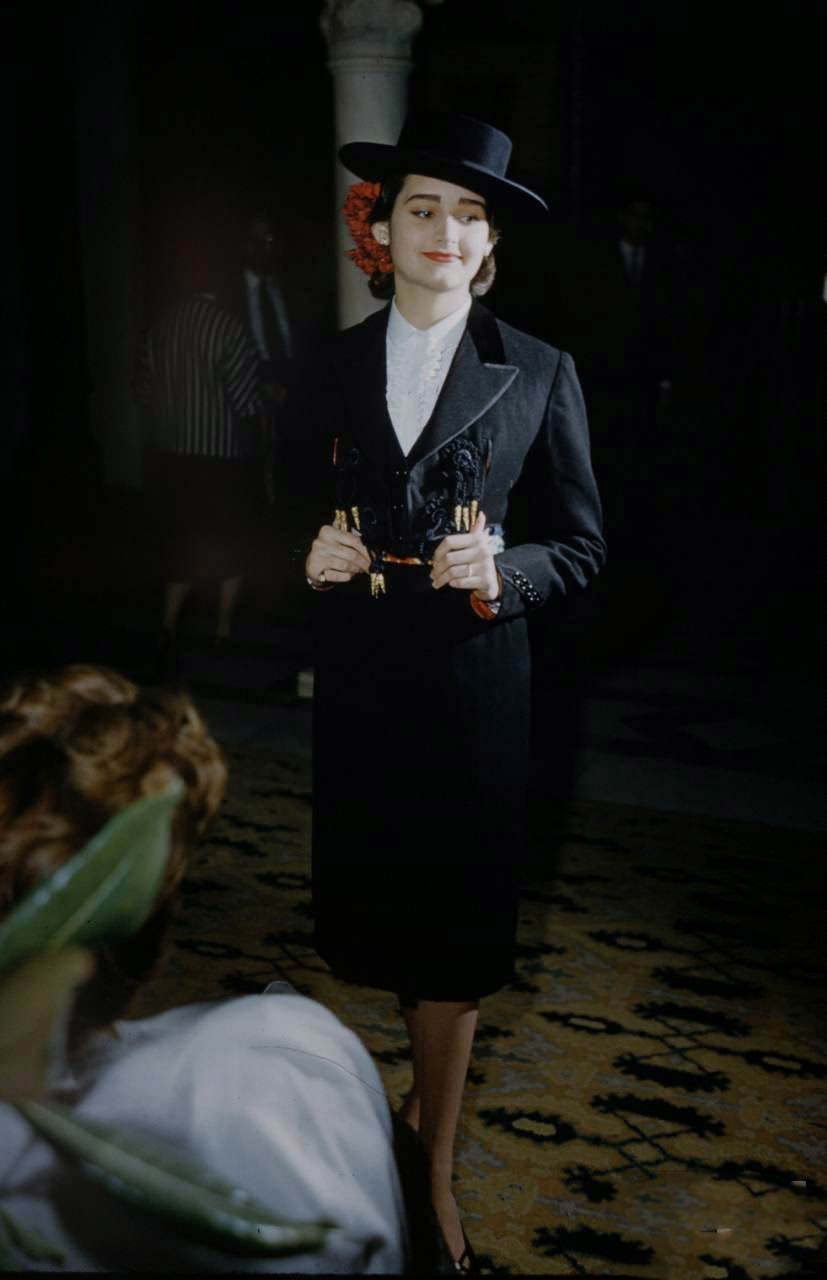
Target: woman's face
{"x": 438, "y": 234}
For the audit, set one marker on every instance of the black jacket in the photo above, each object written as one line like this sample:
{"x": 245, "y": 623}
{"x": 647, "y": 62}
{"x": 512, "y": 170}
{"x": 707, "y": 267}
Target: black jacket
{"x": 509, "y": 430}
{"x": 421, "y": 707}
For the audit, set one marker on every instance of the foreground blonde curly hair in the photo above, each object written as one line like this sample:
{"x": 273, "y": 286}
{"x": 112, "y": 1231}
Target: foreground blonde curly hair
{"x": 76, "y": 746}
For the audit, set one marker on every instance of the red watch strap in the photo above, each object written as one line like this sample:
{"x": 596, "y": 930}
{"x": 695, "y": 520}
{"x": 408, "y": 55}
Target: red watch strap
{"x": 482, "y": 609}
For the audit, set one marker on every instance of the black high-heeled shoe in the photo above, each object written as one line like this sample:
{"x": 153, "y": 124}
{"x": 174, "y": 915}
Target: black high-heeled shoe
{"x": 466, "y": 1264}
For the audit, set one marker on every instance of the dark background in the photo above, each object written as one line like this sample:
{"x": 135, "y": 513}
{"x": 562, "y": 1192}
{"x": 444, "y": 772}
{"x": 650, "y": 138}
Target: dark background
{"x": 714, "y": 109}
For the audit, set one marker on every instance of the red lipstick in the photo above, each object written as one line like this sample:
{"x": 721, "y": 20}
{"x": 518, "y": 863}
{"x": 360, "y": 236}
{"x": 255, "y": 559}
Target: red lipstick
{"x": 442, "y": 257}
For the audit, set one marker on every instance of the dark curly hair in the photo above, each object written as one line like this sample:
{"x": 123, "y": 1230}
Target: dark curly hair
{"x": 381, "y": 283}
{"x": 76, "y": 746}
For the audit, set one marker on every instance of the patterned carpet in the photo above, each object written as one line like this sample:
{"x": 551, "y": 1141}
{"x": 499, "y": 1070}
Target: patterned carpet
{"x": 649, "y": 1098}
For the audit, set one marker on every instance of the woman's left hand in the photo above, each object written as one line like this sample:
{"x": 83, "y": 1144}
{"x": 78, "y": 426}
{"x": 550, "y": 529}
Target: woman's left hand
{"x": 466, "y": 561}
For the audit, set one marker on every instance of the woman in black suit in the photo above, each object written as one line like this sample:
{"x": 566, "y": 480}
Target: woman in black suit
{"x": 463, "y": 498}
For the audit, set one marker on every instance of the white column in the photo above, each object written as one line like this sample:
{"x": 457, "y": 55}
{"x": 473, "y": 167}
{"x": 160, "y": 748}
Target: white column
{"x": 370, "y": 43}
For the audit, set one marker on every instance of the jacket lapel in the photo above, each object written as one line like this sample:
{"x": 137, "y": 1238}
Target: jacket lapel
{"x": 477, "y": 378}
{"x": 367, "y": 370}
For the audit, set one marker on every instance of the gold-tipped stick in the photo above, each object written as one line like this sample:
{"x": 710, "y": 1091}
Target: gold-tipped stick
{"x": 377, "y": 584}
{"x": 354, "y": 511}
{"x": 458, "y": 518}
{"x": 466, "y": 524}
{"x": 475, "y": 509}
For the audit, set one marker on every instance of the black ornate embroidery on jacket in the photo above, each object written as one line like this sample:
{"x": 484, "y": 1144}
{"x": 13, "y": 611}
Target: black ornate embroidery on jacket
{"x": 432, "y": 522}
{"x": 345, "y": 469}
{"x": 461, "y": 464}
{"x": 465, "y": 466}
{"x": 361, "y": 505}
{"x": 461, "y": 460}
{"x": 373, "y": 530}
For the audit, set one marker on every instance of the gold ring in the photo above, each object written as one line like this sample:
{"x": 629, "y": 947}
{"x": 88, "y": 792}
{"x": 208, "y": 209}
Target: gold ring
{"x": 322, "y": 577}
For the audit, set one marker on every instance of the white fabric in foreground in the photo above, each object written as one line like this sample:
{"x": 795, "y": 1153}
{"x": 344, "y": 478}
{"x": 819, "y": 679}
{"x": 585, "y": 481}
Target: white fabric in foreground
{"x": 271, "y": 1091}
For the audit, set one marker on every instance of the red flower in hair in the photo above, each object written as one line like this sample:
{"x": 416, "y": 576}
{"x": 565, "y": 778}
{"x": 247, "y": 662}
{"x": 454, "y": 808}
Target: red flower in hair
{"x": 368, "y": 255}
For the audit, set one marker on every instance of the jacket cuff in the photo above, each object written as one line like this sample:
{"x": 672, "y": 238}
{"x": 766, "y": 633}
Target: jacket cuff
{"x": 526, "y": 588}
{"x": 520, "y": 595}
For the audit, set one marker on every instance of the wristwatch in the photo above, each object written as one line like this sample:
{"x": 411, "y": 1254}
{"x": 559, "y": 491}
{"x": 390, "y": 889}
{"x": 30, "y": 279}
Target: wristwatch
{"x": 488, "y": 609}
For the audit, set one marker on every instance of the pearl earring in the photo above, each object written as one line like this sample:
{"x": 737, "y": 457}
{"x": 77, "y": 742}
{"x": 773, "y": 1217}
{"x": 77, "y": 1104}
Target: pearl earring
{"x": 381, "y": 234}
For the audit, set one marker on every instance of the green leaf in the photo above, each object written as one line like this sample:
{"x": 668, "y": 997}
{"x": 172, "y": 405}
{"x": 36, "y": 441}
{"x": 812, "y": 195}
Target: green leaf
{"x": 9, "y": 1258}
{"x": 30, "y": 1242}
{"x": 153, "y": 1176}
{"x": 106, "y": 890}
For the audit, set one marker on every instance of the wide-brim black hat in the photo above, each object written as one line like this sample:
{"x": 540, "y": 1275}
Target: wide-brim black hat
{"x": 456, "y": 148}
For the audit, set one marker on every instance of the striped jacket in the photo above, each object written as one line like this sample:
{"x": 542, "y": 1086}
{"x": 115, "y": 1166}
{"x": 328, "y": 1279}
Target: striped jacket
{"x": 198, "y": 376}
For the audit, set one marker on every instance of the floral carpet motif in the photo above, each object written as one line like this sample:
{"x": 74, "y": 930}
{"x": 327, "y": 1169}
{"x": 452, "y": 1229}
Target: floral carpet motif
{"x": 649, "y": 1098}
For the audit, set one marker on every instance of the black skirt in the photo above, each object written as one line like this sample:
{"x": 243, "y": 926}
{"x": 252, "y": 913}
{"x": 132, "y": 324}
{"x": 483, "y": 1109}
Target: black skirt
{"x": 421, "y": 741}
{"x": 208, "y": 514}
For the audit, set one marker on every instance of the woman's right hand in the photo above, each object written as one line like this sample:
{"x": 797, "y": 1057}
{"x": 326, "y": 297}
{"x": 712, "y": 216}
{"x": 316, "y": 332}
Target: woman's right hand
{"x": 336, "y": 556}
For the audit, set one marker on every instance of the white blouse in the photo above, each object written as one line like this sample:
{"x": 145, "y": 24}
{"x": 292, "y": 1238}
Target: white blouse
{"x": 418, "y": 363}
